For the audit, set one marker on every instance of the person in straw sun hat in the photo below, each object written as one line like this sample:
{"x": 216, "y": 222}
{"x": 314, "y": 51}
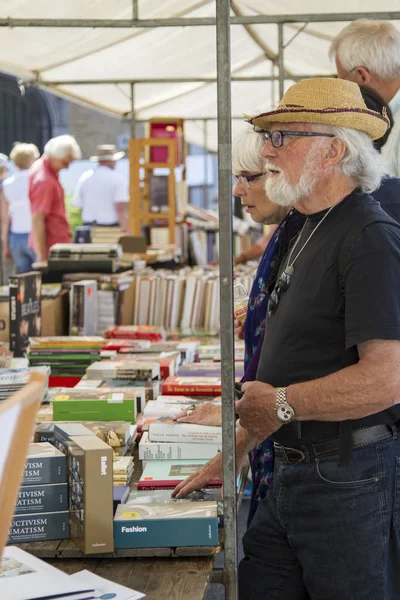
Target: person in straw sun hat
{"x": 101, "y": 193}
{"x": 327, "y": 386}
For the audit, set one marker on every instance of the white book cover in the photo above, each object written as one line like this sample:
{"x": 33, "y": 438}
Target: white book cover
{"x": 25, "y": 577}
{"x": 175, "y": 450}
{"x": 106, "y": 588}
{"x": 166, "y": 430}
{"x": 155, "y": 408}
{"x": 188, "y": 301}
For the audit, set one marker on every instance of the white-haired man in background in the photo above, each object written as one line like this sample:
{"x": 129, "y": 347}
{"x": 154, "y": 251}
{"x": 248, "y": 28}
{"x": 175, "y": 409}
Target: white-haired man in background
{"x": 368, "y": 53}
{"x": 49, "y": 219}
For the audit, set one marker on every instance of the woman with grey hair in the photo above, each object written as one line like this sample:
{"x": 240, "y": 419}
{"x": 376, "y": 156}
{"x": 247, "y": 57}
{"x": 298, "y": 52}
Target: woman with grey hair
{"x": 248, "y": 170}
{"x": 16, "y": 213}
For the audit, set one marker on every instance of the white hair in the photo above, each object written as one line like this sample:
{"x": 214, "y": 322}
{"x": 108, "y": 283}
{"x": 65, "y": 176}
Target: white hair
{"x": 63, "y": 146}
{"x": 362, "y": 162}
{"x": 246, "y": 152}
{"x": 371, "y": 44}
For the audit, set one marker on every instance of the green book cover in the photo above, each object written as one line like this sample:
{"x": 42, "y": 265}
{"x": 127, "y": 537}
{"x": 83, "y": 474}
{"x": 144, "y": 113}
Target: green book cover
{"x": 90, "y": 405}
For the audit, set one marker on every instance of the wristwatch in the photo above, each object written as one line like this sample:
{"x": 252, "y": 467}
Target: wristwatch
{"x": 284, "y": 412}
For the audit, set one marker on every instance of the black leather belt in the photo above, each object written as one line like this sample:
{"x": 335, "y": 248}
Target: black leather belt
{"x": 360, "y": 437}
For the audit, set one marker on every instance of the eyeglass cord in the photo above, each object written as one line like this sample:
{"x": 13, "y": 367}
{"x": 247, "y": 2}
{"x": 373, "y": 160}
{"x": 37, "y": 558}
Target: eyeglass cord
{"x": 307, "y": 240}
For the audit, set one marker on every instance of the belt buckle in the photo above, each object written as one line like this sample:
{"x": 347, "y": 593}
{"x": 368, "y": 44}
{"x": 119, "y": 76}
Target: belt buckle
{"x": 296, "y": 450}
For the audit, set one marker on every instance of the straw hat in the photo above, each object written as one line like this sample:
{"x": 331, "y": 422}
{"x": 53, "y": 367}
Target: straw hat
{"x": 325, "y": 100}
{"x": 107, "y": 152}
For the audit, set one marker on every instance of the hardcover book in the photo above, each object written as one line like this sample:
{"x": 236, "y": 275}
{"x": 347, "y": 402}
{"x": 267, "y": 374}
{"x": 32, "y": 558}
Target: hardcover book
{"x": 42, "y": 498}
{"x": 94, "y": 405}
{"x": 83, "y": 313}
{"x": 38, "y": 527}
{"x": 143, "y": 524}
{"x": 175, "y": 450}
{"x": 192, "y": 386}
{"x": 167, "y": 474}
{"x": 126, "y": 370}
{"x": 165, "y": 429}
{"x": 91, "y": 494}
{"x": 134, "y": 332}
{"x": 44, "y": 464}
{"x": 25, "y": 310}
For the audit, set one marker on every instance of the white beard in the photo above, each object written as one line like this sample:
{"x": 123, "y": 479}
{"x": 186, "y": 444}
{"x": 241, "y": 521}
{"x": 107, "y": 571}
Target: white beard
{"x": 280, "y": 191}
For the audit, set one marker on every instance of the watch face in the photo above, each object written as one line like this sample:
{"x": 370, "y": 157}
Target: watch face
{"x": 285, "y": 413}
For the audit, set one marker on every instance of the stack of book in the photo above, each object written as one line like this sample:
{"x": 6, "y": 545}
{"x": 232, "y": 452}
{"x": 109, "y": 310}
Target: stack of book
{"x": 133, "y": 332}
{"x": 41, "y": 512}
{"x": 12, "y": 380}
{"x": 123, "y": 468}
{"x": 67, "y": 356}
{"x": 73, "y": 258}
{"x": 126, "y": 370}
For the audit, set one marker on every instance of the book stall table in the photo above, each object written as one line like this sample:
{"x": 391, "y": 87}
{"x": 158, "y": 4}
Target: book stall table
{"x": 173, "y": 573}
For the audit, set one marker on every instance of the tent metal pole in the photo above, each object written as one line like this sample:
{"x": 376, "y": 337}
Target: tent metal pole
{"x": 133, "y": 118}
{"x": 260, "y": 78}
{"x": 226, "y": 291}
{"x": 281, "y": 66}
{"x": 205, "y": 155}
{"x": 135, "y": 10}
{"x": 196, "y": 21}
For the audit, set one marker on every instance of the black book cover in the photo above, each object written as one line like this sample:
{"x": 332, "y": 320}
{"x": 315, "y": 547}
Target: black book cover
{"x": 25, "y": 310}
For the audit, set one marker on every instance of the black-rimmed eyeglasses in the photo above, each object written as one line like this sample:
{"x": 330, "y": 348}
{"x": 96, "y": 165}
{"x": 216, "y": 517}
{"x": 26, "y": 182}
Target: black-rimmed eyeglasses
{"x": 277, "y": 136}
{"x": 282, "y": 285}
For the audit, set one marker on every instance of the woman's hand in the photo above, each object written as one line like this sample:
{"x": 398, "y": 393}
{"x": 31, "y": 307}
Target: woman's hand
{"x": 202, "y": 414}
{"x": 239, "y": 329}
{"x": 213, "y": 469}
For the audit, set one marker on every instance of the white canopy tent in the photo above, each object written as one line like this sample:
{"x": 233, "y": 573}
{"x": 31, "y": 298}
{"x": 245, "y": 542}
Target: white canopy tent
{"x": 97, "y": 65}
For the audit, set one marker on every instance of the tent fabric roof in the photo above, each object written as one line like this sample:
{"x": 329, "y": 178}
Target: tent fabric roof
{"x": 79, "y": 54}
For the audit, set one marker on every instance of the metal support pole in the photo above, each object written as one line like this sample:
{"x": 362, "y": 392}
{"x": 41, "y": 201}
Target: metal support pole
{"x": 280, "y": 61}
{"x": 226, "y": 289}
{"x": 133, "y": 118}
{"x": 205, "y": 155}
{"x": 135, "y": 10}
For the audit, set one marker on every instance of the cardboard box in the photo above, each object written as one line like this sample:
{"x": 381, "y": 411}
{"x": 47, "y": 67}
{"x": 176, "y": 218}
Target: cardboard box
{"x": 39, "y": 527}
{"x": 90, "y": 463}
{"x": 44, "y": 464}
{"x": 42, "y": 498}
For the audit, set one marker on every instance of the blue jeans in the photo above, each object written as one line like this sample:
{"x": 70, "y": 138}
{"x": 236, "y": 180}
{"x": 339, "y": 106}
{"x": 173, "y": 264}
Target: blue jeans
{"x": 22, "y": 255}
{"x": 326, "y": 532}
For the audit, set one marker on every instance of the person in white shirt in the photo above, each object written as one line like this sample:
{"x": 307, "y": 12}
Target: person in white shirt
{"x": 368, "y": 52}
{"x": 16, "y": 219}
{"x": 103, "y": 194}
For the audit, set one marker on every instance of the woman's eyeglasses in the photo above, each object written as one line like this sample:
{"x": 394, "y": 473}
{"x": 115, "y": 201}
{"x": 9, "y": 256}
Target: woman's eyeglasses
{"x": 246, "y": 180}
{"x": 281, "y": 286}
{"x": 277, "y": 136}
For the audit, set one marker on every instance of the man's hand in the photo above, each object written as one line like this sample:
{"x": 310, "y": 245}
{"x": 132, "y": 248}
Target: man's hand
{"x": 256, "y": 409}
{"x": 239, "y": 329}
{"x": 213, "y": 469}
{"x": 203, "y": 414}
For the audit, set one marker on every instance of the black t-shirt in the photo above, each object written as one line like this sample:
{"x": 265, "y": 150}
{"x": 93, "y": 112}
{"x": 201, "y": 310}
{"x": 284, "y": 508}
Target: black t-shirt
{"x": 317, "y": 325}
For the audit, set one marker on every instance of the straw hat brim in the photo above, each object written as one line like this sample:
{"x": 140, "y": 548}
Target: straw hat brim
{"x": 115, "y": 156}
{"x": 372, "y": 123}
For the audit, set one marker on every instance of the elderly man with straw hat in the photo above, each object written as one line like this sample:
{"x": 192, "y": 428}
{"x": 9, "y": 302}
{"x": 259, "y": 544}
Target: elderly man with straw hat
{"x": 328, "y": 380}
{"x": 101, "y": 193}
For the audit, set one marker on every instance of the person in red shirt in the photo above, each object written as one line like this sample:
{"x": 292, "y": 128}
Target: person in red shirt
{"x": 46, "y": 195}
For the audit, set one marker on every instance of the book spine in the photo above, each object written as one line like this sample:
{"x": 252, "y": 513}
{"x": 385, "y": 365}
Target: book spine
{"x": 190, "y": 390}
{"x": 176, "y": 450}
{"x": 182, "y": 432}
{"x": 13, "y": 317}
{"x": 170, "y": 533}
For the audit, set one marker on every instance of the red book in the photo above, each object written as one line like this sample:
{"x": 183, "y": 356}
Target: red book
{"x": 121, "y": 344}
{"x": 63, "y": 381}
{"x": 192, "y": 386}
{"x": 136, "y": 332}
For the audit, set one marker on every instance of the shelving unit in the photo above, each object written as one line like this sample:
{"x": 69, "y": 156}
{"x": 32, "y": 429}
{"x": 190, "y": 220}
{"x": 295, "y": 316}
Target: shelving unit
{"x": 140, "y": 213}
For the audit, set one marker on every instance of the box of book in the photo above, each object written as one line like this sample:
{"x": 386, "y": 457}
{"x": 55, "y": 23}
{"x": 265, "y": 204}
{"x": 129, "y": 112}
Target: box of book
{"x": 167, "y": 474}
{"x": 25, "y": 310}
{"x": 94, "y": 405}
{"x": 165, "y": 429}
{"x": 91, "y": 494}
{"x": 192, "y": 386}
{"x": 44, "y": 464}
{"x": 175, "y": 450}
{"x": 39, "y": 527}
{"x": 165, "y": 523}
{"x": 64, "y": 431}
{"x": 46, "y": 498}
